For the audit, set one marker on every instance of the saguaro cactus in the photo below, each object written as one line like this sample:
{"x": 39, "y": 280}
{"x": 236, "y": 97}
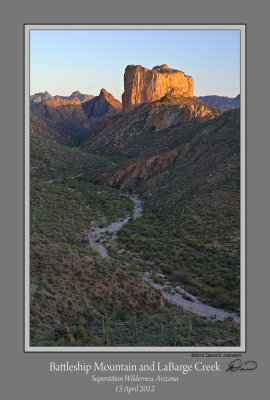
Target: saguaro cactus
{"x": 107, "y": 342}
{"x": 189, "y": 324}
{"x": 174, "y": 335}
{"x": 135, "y": 329}
{"x": 103, "y": 329}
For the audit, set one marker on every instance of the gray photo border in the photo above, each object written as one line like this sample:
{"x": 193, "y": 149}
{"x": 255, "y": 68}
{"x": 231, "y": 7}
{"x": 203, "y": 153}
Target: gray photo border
{"x": 243, "y": 118}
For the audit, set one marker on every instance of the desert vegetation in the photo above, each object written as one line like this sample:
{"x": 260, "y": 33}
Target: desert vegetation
{"x": 79, "y": 298}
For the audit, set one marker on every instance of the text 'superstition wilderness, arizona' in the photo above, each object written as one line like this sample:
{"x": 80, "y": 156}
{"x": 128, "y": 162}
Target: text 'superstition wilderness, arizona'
{"x": 133, "y": 229}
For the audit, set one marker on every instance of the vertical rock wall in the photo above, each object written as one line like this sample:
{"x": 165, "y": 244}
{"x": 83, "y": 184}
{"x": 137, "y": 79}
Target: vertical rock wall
{"x": 143, "y": 85}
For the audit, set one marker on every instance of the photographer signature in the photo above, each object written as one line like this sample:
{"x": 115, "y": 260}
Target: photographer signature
{"x": 237, "y": 365}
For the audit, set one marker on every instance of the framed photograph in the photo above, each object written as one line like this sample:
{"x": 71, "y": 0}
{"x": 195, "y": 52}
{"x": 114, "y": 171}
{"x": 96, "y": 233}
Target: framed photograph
{"x": 135, "y": 188}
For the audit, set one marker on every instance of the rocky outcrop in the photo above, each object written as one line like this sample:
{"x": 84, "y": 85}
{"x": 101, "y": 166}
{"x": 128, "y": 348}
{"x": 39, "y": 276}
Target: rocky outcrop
{"x": 102, "y": 109}
{"x": 142, "y": 85}
{"x": 142, "y": 170}
{"x": 62, "y": 110}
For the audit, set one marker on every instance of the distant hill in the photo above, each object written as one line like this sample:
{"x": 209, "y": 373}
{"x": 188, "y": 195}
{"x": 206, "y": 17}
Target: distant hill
{"x": 82, "y": 97}
{"x": 39, "y": 97}
{"x": 58, "y": 110}
{"x": 43, "y": 96}
{"x": 222, "y": 102}
{"x": 68, "y": 121}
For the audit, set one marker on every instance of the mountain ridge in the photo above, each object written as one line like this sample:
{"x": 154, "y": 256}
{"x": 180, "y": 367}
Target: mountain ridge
{"x": 58, "y": 110}
{"x": 42, "y": 96}
{"x": 69, "y": 118}
{"x": 223, "y": 102}
{"x": 128, "y": 134}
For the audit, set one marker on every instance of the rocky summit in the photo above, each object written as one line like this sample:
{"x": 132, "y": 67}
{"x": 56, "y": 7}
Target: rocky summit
{"x": 39, "y": 97}
{"x": 102, "y": 109}
{"x": 143, "y": 85}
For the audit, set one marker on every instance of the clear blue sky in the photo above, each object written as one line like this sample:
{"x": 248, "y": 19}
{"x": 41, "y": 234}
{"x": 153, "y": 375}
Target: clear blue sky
{"x": 62, "y": 61}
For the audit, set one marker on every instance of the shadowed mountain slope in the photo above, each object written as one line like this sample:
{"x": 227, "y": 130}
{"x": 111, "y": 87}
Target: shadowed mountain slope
{"x": 61, "y": 120}
{"x": 135, "y": 131}
{"x": 82, "y": 97}
{"x": 185, "y": 155}
{"x": 190, "y": 184}
{"x": 102, "y": 109}
{"x": 63, "y": 110}
{"x": 70, "y": 122}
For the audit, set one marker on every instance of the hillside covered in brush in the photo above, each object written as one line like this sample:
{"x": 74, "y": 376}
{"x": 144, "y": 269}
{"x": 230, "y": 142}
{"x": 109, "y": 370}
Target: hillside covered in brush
{"x": 190, "y": 184}
{"x": 134, "y": 132}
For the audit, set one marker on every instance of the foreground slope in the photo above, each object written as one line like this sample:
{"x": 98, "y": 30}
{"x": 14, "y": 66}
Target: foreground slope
{"x": 72, "y": 287}
{"x": 77, "y": 297}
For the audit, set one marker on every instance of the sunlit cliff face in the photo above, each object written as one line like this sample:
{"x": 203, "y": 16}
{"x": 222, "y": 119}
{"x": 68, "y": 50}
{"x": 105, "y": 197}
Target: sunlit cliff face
{"x": 143, "y": 85}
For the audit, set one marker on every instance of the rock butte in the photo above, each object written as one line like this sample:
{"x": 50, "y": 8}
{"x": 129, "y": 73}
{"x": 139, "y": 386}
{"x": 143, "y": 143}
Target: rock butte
{"x": 143, "y": 85}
